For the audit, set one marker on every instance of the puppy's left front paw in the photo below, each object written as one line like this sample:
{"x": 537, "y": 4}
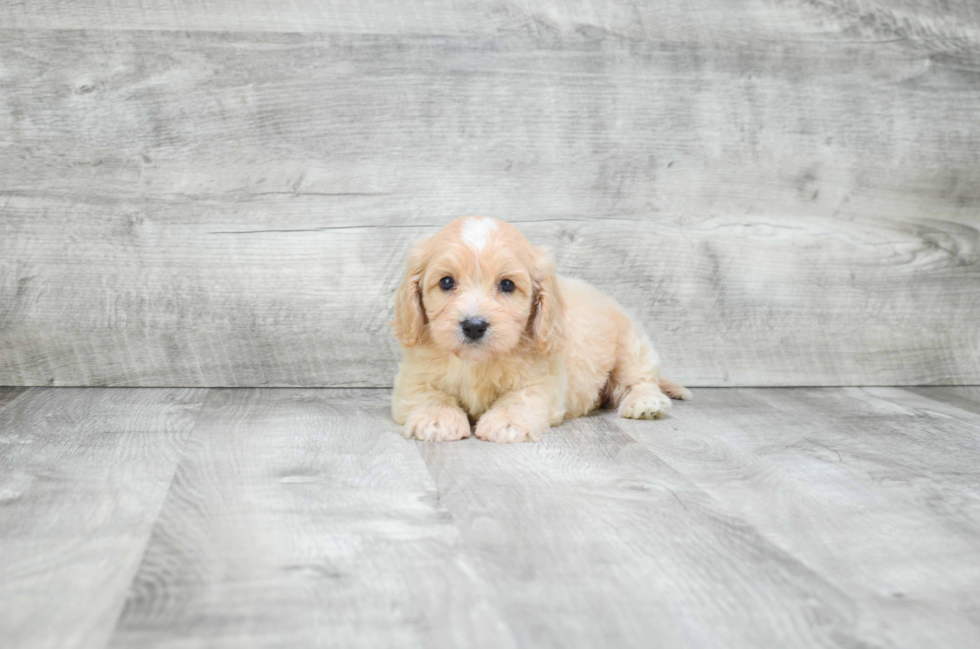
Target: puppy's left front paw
{"x": 505, "y": 427}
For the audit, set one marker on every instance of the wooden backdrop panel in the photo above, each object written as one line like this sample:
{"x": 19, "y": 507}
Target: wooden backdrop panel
{"x": 210, "y": 208}
{"x": 938, "y": 24}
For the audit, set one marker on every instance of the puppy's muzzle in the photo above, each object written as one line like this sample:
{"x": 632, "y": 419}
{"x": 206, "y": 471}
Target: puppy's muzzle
{"x": 474, "y": 328}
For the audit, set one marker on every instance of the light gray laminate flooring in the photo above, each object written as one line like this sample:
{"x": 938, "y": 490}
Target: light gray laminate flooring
{"x": 299, "y": 517}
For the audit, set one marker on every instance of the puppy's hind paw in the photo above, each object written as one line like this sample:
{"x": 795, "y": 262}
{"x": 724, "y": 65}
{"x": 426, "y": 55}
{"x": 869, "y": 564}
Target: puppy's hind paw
{"x": 675, "y": 390}
{"x": 644, "y": 403}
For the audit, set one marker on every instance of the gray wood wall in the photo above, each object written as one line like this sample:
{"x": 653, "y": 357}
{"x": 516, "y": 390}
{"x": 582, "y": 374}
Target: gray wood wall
{"x": 221, "y": 193}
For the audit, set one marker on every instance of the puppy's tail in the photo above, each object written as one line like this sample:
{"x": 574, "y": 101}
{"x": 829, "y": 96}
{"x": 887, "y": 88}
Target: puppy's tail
{"x": 675, "y": 390}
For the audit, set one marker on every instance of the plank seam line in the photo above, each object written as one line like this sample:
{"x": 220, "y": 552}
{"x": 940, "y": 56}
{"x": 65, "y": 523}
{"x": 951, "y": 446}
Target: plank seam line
{"x": 25, "y": 390}
{"x": 156, "y": 517}
{"x": 389, "y": 387}
{"x": 788, "y": 555}
{"x": 473, "y": 563}
{"x": 603, "y": 35}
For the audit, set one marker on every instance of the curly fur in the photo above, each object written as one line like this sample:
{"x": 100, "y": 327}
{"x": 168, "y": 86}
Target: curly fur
{"x": 555, "y": 347}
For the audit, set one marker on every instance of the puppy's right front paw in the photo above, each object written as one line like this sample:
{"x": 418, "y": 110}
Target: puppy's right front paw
{"x": 444, "y": 424}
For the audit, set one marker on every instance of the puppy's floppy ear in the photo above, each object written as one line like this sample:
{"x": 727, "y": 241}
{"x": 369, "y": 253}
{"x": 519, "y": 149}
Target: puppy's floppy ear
{"x": 548, "y": 315}
{"x": 409, "y": 313}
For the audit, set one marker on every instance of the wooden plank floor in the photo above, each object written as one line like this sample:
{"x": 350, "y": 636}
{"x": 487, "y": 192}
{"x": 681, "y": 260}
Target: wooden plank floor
{"x": 280, "y": 517}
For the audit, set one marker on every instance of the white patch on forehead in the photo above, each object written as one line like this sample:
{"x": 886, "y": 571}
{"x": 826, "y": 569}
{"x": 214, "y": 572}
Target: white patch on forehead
{"x": 476, "y": 231}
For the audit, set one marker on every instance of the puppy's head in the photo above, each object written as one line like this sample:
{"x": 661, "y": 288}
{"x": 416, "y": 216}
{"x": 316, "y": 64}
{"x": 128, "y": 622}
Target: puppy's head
{"x": 478, "y": 289}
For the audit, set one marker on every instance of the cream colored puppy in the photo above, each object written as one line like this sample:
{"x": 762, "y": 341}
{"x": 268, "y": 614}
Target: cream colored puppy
{"x": 492, "y": 335}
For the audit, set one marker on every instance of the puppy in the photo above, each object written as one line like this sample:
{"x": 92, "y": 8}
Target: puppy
{"x": 492, "y": 335}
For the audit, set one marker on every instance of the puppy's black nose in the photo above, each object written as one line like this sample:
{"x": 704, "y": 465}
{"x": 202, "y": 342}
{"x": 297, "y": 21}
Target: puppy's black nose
{"x": 474, "y": 328}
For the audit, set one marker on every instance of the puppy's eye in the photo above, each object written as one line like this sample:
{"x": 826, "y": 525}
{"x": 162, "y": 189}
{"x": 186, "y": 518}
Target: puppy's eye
{"x": 447, "y": 283}
{"x": 506, "y": 286}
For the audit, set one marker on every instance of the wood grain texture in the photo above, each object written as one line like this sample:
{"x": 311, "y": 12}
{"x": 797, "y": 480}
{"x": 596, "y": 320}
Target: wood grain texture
{"x": 877, "y": 490}
{"x": 233, "y": 209}
{"x": 580, "y": 18}
{"x": 296, "y": 518}
{"x": 937, "y": 25}
{"x": 587, "y": 539}
{"x": 967, "y": 398}
{"x": 301, "y": 519}
{"x": 82, "y": 476}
